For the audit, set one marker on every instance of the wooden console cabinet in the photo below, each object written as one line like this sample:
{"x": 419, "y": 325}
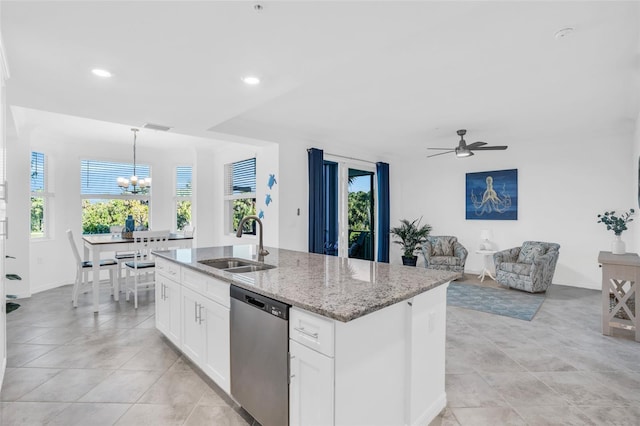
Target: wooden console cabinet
{"x": 620, "y": 277}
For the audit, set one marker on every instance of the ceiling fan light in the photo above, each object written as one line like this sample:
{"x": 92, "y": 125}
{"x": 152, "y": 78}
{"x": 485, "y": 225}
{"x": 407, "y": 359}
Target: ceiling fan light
{"x": 463, "y": 152}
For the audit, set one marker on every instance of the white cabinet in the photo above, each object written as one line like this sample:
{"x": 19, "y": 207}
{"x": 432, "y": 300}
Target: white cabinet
{"x": 168, "y": 318}
{"x": 310, "y": 388}
{"x": 192, "y": 310}
{"x": 385, "y": 368}
{"x": 216, "y": 358}
{"x": 205, "y": 335}
{"x": 193, "y": 333}
{"x": 311, "y": 380}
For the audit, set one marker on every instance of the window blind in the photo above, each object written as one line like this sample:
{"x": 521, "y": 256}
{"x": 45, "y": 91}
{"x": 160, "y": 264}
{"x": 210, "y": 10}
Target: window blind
{"x": 183, "y": 181}
{"x": 37, "y": 172}
{"x": 240, "y": 177}
{"x": 100, "y": 177}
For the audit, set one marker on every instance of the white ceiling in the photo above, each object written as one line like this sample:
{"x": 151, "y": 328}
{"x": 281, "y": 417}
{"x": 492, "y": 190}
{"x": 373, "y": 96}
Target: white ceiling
{"x": 379, "y": 76}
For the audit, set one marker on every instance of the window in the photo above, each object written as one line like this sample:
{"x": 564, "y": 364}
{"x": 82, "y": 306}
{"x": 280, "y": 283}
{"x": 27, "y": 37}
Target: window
{"x": 40, "y": 196}
{"x": 240, "y": 194}
{"x": 184, "y": 192}
{"x": 104, "y": 203}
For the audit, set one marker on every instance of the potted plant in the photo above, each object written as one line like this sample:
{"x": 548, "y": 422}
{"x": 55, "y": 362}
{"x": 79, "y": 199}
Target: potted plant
{"x": 411, "y": 236}
{"x": 617, "y": 224}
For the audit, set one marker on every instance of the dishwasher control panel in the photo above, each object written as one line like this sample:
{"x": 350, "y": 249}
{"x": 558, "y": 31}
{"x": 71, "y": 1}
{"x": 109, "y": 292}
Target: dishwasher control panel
{"x": 258, "y": 301}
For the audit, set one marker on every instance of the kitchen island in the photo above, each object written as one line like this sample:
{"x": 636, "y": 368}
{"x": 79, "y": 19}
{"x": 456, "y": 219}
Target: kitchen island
{"x": 366, "y": 339}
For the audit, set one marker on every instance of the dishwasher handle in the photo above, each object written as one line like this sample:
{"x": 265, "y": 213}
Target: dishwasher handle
{"x": 252, "y": 301}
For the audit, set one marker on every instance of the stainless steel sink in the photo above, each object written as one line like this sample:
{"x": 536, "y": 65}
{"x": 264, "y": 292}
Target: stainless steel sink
{"x": 235, "y": 265}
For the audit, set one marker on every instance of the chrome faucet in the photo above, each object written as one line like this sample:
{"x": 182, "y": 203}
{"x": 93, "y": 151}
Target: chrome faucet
{"x": 261, "y": 251}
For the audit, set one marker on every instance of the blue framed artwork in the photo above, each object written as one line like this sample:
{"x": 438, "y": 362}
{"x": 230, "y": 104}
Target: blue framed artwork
{"x": 492, "y": 195}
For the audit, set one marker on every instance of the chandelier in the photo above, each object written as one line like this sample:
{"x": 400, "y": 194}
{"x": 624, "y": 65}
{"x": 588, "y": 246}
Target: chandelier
{"x": 134, "y": 185}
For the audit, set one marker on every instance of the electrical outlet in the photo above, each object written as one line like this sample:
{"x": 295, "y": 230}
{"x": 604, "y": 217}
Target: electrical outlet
{"x": 39, "y": 260}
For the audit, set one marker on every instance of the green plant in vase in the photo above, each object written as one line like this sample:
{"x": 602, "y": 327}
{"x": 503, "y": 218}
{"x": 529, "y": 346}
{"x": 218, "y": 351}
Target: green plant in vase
{"x": 410, "y": 237}
{"x": 617, "y": 224}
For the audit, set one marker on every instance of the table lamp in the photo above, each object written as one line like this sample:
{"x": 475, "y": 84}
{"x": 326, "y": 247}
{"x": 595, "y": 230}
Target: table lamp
{"x": 485, "y": 236}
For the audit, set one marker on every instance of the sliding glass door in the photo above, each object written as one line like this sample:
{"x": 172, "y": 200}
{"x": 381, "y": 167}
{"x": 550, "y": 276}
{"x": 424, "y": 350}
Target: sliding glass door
{"x": 349, "y": 210}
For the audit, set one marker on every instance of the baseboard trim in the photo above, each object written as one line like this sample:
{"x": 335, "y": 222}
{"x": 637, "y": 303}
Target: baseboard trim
{"x": 432, "y": 411}
{"x": 4, "y": 368}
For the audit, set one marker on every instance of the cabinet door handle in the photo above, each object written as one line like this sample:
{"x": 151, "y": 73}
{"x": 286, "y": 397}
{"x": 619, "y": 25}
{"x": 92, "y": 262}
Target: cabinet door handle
{"x": 306, "y": 333}
{"x": 195, "y": 311}
{"x": 200, "y": 314}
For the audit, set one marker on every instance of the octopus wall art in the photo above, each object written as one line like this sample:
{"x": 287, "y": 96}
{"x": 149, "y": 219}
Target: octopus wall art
{"x": 492, "y": 195}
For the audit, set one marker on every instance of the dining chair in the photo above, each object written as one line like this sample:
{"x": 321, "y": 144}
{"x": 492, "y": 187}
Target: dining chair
{"x": 142, "y": 265}
{"x": 189, "y": 230}
{"x": 120, "y": 256}
{"x": 83, "y": 267}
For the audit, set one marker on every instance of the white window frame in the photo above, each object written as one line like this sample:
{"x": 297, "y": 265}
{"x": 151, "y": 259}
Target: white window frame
{"x": 106, "y": 197}
{"x": 47, "y": 200}
{"x": 178, "y": 198}
{"x": 230, "y": 197}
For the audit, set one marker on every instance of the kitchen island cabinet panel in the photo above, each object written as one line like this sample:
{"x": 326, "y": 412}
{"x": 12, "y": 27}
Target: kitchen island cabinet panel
{"x": 193, "y": 333}
{"x": 215, "y": 360}
{"x": 311, "y": 387}
{"x": 205, "y": 336}
{"x": 168, "y": 312}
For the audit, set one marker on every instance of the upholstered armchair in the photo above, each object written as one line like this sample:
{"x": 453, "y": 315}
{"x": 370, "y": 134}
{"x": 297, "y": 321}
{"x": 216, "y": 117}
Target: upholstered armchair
{"x": 444, "y": 253}
{"x": 529, "y": 268}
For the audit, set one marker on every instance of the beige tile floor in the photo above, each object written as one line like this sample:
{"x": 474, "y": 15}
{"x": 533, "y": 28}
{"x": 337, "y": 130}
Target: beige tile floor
{"x": 69, "y": 367}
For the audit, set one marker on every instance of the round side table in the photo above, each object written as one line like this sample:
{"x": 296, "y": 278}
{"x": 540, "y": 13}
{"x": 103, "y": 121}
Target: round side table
{"x": 488, "y": 260}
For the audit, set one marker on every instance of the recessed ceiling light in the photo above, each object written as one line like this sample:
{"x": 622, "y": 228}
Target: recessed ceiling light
{"x": 251, "y": 80}
{"x": 101, "y": 73}
{"x": 563, "y": 32}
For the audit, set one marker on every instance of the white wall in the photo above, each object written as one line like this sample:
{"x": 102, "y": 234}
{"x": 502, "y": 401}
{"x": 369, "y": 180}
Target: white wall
{"x": 48, "y": 263}
{"x": 561, "y": 190}
{"x": 294, "y": 187}
{"x": 562, "y": 186}
{"x": 560, "y": 194}
{"x": 266, "y": 164}
{"x": 17, "y": 243}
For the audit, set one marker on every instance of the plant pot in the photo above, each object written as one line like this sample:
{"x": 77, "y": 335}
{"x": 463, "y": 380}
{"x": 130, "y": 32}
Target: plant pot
{"x": 618, "y": 246}
{"x": 409, "y": 261}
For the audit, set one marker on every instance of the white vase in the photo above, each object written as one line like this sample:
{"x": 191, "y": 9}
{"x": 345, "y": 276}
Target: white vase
{"x": 617, "y": 245}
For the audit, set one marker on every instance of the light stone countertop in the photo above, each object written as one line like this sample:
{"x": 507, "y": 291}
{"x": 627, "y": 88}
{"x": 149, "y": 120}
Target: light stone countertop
{"x": 338, "y": 288}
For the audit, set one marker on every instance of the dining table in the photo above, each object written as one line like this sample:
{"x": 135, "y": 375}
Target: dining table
{"x": 96, "y": 244}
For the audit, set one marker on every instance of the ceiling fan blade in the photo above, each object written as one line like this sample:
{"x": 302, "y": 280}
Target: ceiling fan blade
{"x": 490, "y": 148}
{"x": 475, "y": 144}
{"x": 449, "y": 149}
{"x": 440, "y": 153}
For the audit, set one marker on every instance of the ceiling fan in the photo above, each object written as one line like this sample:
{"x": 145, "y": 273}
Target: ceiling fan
{"x": 464, "y": 150}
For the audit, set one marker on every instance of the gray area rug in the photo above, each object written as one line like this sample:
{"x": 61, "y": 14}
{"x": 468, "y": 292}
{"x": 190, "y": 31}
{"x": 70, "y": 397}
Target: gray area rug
{"x": 506, "y": 302}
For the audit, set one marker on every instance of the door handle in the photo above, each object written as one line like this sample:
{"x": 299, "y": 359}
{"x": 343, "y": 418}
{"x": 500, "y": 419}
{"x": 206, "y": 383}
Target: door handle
{"x": 200, "y": 312}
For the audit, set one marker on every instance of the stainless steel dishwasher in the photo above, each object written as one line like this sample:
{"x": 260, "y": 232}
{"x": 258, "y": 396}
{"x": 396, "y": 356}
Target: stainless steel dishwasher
{"x": 260, "y": 356}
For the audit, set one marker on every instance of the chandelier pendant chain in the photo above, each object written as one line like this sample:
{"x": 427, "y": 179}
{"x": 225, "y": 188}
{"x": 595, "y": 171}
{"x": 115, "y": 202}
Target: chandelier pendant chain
{"x": 135, "y": 137}
{"x": 138, "y": 185}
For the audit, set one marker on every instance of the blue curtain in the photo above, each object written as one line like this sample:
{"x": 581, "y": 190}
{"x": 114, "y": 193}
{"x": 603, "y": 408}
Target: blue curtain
{"x": 382, "y": 171}
{"x": 316, "y": 201}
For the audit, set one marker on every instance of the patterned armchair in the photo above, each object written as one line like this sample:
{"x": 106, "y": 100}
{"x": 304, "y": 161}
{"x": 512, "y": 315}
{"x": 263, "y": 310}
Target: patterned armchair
{"x": 529, "y": 268}
{"x": 444, "y": 253}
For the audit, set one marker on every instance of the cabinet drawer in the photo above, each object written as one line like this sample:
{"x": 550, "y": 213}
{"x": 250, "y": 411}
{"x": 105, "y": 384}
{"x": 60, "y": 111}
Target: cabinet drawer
{"x": 214, "y": 289}
{"x": 312, "y": 331}
{"x": 167, "y": 268}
